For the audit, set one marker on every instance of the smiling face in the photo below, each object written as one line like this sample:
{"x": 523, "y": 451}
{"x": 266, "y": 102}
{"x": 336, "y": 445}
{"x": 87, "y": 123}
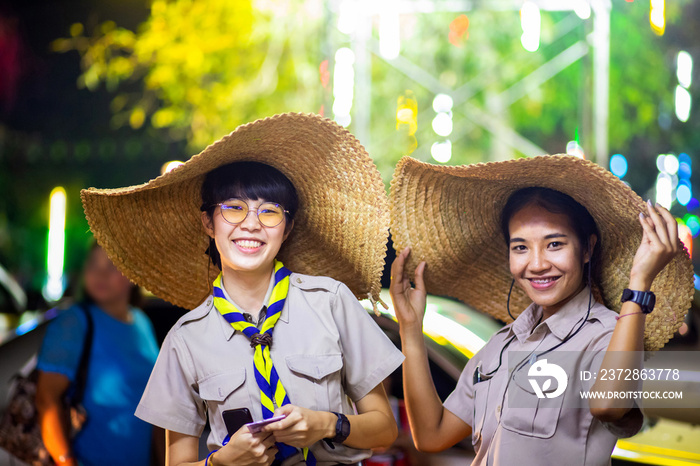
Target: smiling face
{"x": 546, "y": 257}
{"x": 248, "y": 247}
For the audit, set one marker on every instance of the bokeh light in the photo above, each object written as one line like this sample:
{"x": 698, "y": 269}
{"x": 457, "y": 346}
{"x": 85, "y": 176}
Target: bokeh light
{"x": 671, "y": 164}
{"x": 169, "y": 166}
{"x": 343, "y": 85}
{"x": 683, "y": 194}
{"x": 441, "y": 151}
{"x": 664, "y": 190}
{"x": 582, "y": 9}
{"x": 657, "y": 16}
{"x": 693, "y": 223}
{"x": 618, "y": 165}
{"x": 686, "y": 237}
{"x": 442, "y": 103}
{"x": 389, "y": 33}
{"x": 684, "y": 69}
{"x": 575, "y": 149}
{"x": 683, "y": 104}
{"x": 530, "y": 21}
{"x": 442, "y": 124}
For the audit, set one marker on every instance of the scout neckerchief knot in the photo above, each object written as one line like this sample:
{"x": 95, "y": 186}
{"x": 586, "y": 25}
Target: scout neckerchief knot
{"x": 272, "y": 393}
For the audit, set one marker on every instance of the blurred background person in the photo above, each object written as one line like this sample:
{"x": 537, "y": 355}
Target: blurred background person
{"x": 122, "y": 355}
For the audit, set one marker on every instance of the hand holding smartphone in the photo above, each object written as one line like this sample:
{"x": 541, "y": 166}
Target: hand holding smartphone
{"x": 256, "y": 427}
{"x": 234, "y": 419}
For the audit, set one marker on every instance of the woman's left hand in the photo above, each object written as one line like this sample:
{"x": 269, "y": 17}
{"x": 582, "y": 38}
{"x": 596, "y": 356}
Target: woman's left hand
{"x": 659, "y": 245}
{"x": 302, "y": 427}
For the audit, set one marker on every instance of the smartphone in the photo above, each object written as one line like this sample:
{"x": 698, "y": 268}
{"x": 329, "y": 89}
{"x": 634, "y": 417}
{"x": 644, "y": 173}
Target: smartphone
{"x": 256, "y": 427}
{"x": 236, "y": 418}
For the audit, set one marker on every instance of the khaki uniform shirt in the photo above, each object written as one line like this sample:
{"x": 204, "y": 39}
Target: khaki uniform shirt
{"x": 504, "y": 434}
{"x": 326, "y": 349}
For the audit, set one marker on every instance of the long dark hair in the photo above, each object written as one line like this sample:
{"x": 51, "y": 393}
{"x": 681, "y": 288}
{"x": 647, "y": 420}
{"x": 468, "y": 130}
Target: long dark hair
{"x": 246, "y": 180}
{"x": 557, "y": 202}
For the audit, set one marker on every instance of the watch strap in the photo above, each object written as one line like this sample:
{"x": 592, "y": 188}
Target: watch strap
{"x": 645, "y": 299}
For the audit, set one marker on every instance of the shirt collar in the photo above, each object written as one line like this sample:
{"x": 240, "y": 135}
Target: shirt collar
{"x": 228, "y": 329}
{"x": 561, "y": 324}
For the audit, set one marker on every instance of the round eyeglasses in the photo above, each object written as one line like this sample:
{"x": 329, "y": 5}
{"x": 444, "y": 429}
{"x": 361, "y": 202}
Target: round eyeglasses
{"x": 235, "y": 211}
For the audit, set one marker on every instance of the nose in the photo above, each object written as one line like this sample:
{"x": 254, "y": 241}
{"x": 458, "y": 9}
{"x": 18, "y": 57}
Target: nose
{"x": 538, "y": 261}
{"x": 251, "y": 222}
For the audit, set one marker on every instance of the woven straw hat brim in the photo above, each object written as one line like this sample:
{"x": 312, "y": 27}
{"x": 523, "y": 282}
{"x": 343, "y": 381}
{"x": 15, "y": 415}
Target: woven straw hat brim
{"x": 153, "y": 232}
{"x": 450, "y": 217}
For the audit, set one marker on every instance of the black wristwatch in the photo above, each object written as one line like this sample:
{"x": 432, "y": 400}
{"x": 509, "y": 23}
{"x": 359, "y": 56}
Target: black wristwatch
{"x": 645, "y": 299}
{"x": 342, "y": 430}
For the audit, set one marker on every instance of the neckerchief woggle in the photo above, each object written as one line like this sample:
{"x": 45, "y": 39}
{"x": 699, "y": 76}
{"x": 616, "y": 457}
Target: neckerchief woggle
{"x": 272, "y": 392}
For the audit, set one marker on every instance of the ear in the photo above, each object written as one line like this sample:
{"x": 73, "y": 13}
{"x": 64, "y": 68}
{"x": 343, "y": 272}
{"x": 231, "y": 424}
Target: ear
{"x": 592, "y": 240}
{"x": 208, "y": 224}
{"x": 288, "y": 229}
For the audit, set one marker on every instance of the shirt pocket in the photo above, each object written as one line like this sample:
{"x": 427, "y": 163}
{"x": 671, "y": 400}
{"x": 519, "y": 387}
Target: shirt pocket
{"x": 528, "y": 415}
{"x": 319, "y": 385}
{"x": 225, "y": 389}
{"x": 481, "y": 391}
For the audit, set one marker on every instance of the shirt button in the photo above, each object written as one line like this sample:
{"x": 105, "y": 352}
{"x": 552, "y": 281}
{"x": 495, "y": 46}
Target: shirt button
{"x": 209, "y": 301}
{"x": 298, "y": 280}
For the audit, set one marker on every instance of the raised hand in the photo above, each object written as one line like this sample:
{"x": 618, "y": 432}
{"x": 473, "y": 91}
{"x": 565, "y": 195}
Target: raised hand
{"x": 409, "y": 302}
{"x": 659, "y": 245}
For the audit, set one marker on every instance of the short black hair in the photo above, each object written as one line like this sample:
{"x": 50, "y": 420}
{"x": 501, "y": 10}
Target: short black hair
{"x": 248, "y": 181}
{"x": 558, "y": 203}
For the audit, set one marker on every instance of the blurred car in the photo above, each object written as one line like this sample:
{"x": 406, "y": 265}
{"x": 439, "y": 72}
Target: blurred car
{"x": 454, "y": 332}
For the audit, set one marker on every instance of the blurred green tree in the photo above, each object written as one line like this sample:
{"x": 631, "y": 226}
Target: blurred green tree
{"x": 205, "y": 66}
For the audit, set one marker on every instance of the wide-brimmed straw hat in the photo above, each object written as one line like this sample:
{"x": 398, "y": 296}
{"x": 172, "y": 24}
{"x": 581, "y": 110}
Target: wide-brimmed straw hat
{"x": 153, "y": 232}
{"x": 450, "y": 217}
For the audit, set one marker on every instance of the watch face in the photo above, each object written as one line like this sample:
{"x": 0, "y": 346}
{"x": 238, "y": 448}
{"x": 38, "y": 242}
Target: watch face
{"x": 626, "y": 295}
{"x": 651, "y": 302}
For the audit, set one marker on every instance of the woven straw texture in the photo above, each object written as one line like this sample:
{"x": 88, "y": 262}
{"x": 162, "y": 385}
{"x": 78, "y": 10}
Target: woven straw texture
{"x": 153, "y": 232}
{"x": 450, "y": 217}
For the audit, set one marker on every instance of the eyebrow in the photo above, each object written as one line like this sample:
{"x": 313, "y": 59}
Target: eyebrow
{"x": 550, "y": 236}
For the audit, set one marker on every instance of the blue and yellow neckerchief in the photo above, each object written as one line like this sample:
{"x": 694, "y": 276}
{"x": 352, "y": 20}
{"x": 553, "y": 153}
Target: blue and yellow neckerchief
{"x": 272, "y": 392}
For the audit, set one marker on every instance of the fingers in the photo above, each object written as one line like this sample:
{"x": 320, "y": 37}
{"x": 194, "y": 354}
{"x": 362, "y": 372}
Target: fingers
{"x": 671, "y": 227}
{"x": 397, "y": 268}
{"x": 649, "y": 235}
{"x": 659, "y": 225}
{"x": 420, "y": 284}
{"x": 269, "y": 440}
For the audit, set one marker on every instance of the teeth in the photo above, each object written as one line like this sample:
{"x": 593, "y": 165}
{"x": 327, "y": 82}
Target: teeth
{"x": 543, "y": 280}
{"x": 249, "y": 244}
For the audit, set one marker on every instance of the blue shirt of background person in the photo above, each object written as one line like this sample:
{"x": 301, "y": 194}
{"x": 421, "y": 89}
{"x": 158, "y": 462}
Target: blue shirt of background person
{"x": 122, "y": 355}
{"x": 121, "y": 360}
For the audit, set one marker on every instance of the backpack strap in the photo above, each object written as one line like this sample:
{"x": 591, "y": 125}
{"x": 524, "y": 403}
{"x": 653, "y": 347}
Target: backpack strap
{"x": 82, "y": 372}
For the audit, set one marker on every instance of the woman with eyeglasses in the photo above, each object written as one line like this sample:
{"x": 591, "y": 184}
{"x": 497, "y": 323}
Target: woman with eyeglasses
{"x": 578, "y": 243}
{"x": 279, "y": 206}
